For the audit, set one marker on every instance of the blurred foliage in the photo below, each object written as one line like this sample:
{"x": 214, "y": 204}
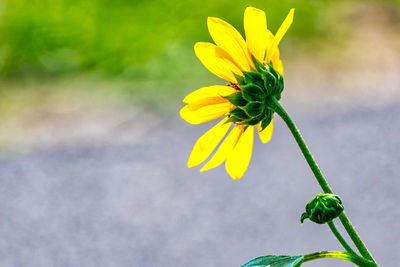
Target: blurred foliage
{"x": 132, "y": 38}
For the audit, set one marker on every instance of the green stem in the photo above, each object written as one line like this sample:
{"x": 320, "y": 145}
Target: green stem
{"x": 303, "y": 147}
{"x": 354, "y": 236}
{"x": 338, "y": 255}
{"x": 274, "y": 104}
{"x": 339, "y": 237}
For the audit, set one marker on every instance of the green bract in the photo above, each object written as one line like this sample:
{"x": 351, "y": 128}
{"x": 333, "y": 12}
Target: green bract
{"x": 323, "y": 208}
{"x": 256, "y": 88}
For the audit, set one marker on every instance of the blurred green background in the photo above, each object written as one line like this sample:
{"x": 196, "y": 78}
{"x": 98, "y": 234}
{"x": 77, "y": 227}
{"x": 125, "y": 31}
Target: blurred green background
{"x": 141, "y": 52}
{"x": 131, "y": 39}
{"x": 143, "y": 40}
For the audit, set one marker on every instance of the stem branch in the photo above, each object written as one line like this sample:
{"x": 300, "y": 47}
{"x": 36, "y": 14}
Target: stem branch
{"x": 339, "y": 255}
{"x": 274, "y": 104}
{"x": 342, "y": 241}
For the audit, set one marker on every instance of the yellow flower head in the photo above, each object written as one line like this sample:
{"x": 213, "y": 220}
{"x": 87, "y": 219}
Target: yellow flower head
{"x": 254, "y": 71}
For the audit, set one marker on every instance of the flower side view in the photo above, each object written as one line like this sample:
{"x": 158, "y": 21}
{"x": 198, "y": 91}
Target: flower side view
{"x": 254, "y": 72}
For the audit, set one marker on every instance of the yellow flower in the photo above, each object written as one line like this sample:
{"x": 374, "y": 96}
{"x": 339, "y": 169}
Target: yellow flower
{"x": 235, "y": 60}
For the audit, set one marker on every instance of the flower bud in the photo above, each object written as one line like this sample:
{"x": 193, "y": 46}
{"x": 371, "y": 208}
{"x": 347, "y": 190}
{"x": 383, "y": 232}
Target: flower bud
{"x": 323, "y": 208}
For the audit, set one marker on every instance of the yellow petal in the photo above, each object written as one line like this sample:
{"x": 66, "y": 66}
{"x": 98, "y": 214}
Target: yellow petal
{"x": 224, "y": 149}
{"x": 270, "y": 39}
{"x": 266, "y": 134}
{"x": 230, "y": 40}
{"x": 280, "y": 33}
{"x": 207, "y": 143}
{"x": 276, "y": 56}
{"x": 195, "y": 105}
{"x": 238, "y": 160}
{"x": 279, "y": 67}
{"x": 209, "y": 91}
{"x": 255, "y": 28}
{"x": 205, "y": 113}
{"x": 217, "y": 61}
{"x": 275, "y": 59}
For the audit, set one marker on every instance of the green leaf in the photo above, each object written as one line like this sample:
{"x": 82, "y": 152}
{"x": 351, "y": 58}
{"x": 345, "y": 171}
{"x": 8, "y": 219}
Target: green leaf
{"x": 236, "y": 99}
{"x": 254, "y": 109}
{"x": 253, "y": 93}
{"x": 254, "y": 78}
{"x": 239, "y": 113}
{"x": 275, "y": 261}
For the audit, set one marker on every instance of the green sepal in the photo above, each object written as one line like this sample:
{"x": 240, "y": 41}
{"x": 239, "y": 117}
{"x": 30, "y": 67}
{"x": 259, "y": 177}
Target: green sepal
{"x": 239, "y": 113}
{"x": 254, "y": 120}
{"x": 236, "y": 99}
{"x": 254, "y": 78}
{"x": 267, "y": 120}
{"x": 233, "y": 119}
{"x": 281, "y": 84}
{"x": 278, "y": 86}
{"x": 259, "y": 66}
{"x": 240, "y": 79}
{"x": 270, "y": 68}
{"x": 253, "y": 93}
{"x": 254, "y": 109}
{"x": 303, "y": 217}
{"x": 275, "y": 261}
{"x": 270, "y": 83}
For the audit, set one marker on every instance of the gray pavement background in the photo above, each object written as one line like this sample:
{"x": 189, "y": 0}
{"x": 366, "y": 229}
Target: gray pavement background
{"x": 121, "y": 201}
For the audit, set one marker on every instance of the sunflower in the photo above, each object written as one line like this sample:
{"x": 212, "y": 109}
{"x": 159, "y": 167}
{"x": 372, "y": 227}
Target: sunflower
{"x": 254, "y": 73}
